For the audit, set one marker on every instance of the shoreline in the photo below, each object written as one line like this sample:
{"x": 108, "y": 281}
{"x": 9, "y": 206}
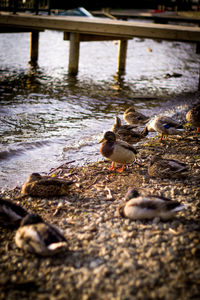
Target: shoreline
{"x": 110, "y": 257}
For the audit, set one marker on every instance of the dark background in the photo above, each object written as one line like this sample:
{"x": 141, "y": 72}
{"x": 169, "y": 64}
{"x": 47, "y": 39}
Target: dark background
{"x": 99, "y": 4}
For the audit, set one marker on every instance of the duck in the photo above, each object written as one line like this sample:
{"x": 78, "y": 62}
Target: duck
{"x": 45, "y": 186}
{"x": 132, "y": 117}
{"x": 11, "y": 214}
{"x": 126, "y": 132}
{"x": 116, "y": 150}
{"x": 165, "y": 126}
{"x": 146, "y": 207}
{"x": 193, "y": 117}
{"x": 38, "y": 237}
{"x": 167, "y": 168}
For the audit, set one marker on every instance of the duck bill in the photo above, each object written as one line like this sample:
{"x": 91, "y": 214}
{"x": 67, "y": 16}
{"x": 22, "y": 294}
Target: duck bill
{"x": 101, "y": 141}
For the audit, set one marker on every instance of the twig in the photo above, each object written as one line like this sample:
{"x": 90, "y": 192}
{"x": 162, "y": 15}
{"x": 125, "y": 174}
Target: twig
{"x": 109, "y": 195}
{"x": 60, "y": 166}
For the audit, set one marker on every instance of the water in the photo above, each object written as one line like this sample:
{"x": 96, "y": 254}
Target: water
{"x": 48, "y": 118}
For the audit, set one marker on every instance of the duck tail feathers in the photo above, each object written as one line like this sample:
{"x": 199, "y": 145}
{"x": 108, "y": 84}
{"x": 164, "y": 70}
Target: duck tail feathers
{"x": 179, "y": 208}
{"x": 57, "y": 246}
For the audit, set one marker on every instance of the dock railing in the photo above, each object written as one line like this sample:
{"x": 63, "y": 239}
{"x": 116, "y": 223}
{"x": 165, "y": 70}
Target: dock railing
{"x": 34, "y": 6}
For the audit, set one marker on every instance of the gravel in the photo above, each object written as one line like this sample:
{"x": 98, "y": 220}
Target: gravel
{"x": 110, "y": 257}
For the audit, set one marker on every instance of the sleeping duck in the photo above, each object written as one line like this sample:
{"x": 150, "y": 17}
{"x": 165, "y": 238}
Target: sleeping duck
{"x": 139, "y": 207}
{"x": 45, "y": 186}
{"x": 126, "y": 132}
{"x": 116, "y": 151}
{"x": 132, "y": 117}
{"x": 11, "y": 214}
{"x": 165, "y": 126}
{"x": 193, "y": 117}
{"x": 167, "y": 168}
{"x": 36, "y": 236}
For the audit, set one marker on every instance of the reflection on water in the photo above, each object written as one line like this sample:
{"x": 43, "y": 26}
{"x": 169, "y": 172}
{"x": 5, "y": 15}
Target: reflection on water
{"x": 48, "y": 118}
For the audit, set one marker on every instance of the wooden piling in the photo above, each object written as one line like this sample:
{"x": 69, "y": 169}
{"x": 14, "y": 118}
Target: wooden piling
{"x": 122, "y": 55}
{"x": 74, "y": 53}
{"x": 34, "y": 47}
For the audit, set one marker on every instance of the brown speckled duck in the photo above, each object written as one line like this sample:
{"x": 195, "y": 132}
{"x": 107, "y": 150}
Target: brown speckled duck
{"x": 126, "y": 132}
{"x": 133, "y": 117}
{"x": 116, "y": 151}
{"x": 36, "y": 236}
{"x": 11, "y": 214}
{"x": 45, "y": 186}
{"x": 193, "y": 117}
{"x": 139, "y": 207}
{"x": 167, "y": 168}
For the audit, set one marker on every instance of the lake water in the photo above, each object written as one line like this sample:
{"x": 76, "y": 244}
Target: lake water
{"x": 48, "y": 118}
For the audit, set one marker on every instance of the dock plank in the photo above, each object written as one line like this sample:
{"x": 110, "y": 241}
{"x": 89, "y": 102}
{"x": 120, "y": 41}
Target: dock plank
{"x": 106, "y": 27}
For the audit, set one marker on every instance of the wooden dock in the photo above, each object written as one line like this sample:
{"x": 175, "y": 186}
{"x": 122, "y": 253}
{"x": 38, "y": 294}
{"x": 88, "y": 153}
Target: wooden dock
{"x": 157, "y": 17}
{"x": 80, "y": 29}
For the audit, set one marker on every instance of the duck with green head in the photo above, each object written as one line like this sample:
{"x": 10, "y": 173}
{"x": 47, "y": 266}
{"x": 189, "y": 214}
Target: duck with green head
{"x": 117, "y": 151}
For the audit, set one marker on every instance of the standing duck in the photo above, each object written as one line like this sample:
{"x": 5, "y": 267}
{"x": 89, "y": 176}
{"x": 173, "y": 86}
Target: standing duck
{"x": 139, "y": 207}
{"x": 126, "y": 132}
{"x": 45, "y": 186}
{"x": 167, "y": 168}
{"x": 133, "y": 117}
{"x": 36, "y": 236}
{"x": 116, "y": 151}
{"x": 165, "y": 126}
{"x": 11, "y": 214}
{"x": 193, "y": 117}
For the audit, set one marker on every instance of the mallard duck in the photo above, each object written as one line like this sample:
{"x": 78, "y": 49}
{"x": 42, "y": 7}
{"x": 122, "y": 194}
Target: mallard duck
{"x": 165, "y": 126}
{"x": 139, "y": 207}
{"x": 45, "y": 186}
{"x": 131, "y": 116}
{"x": 126, "y": 132}
{"x": 116, "y": 151}
{"x": 11, "y": 213}
{"x": 167, "y": 168}
{"x": 36, "y": 236}
{"x": 193, "y": 117}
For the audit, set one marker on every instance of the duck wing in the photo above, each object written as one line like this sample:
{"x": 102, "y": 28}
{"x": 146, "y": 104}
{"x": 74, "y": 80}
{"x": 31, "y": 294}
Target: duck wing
{"x": 170, "y": 122}
{"x": 127, "y": 146}
{"x": 177, "y": 166}
{"x": 156, "y": 203}
{"x": 54, "y": 182}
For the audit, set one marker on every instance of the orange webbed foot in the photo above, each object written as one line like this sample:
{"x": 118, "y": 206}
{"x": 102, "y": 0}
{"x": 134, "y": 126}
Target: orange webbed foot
{"x": 120, "y": 170}
{"x": 112, "y": 166}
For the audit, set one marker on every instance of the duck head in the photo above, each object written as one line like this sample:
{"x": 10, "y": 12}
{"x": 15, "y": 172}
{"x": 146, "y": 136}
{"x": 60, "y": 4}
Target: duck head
{"x": 109, "y": 136}
{"x": 155, "y": 158}
{"x": 118, "y": 123}
{"x": 34, "y": 177}
{"x": 132, "y": 193}
{"x": 130, "y": 109}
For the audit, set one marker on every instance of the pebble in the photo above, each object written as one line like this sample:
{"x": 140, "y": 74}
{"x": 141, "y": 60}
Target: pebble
{"x": 110, "y": 257}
